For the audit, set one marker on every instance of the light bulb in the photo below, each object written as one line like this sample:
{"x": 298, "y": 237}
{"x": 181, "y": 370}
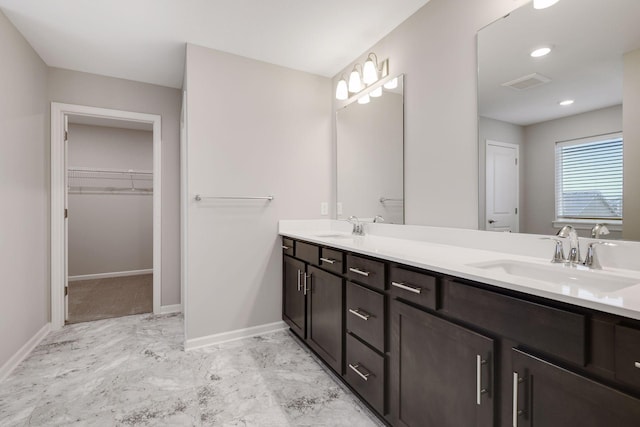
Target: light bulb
{"x": 369, "y": 72}
{"x": 342, "y": 92}
{"x": 391, "y": 84}
{"x": 364, "y": 99}
{"x": 543, "y": 4}
{"x": 376, "y": 92}
{"x": 355, "y": 84}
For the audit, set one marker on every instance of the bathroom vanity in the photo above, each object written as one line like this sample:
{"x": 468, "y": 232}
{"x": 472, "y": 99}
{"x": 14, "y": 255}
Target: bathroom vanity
{"x": 444, "y": 335}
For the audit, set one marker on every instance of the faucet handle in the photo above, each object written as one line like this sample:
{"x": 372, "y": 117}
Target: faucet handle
{"x": 558, "y": 253}
{"x": 590, "y": 259}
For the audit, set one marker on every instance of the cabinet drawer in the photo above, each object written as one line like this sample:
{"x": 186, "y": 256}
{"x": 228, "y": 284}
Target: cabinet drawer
{"x": 332, "y": 260}
{"x": 287, "y": 246}
{"x": 419, "y": 288}
{"x": 365, "y": 315}
{"x": 365, "y": 373}
{"x": 627, "y": 348}
{"x": 308, "y": 252}
{"x": 550, "y": 330}
{"x": 366, "y": 271}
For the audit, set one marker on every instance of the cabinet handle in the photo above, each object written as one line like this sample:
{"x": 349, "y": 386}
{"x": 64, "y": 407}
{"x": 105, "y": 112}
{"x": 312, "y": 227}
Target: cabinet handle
{"x": 360, "y": 272}
{"x": 298, "y": 280}
{"x": 356, "y": 368}
{"x": 637, "y": 365}
{"x": 516, "y": 413}
{"x": 328, "y": 260}
{"x": 306, "y": 289}
{"x": 402, "y": 285}
{"x": 479, "y": 390}
{"x": 286, "y": 248}
{"x": 361, "y": 314}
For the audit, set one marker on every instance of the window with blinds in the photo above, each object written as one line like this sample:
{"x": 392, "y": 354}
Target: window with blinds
{"x": 589, "y": 178}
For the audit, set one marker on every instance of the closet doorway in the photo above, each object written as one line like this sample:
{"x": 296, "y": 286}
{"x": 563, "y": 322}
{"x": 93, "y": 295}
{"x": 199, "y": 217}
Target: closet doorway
{"x": 105, "y": 181}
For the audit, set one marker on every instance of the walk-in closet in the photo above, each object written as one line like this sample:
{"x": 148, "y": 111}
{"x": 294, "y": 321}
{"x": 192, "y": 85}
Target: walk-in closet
{"x": 110, "y": 219}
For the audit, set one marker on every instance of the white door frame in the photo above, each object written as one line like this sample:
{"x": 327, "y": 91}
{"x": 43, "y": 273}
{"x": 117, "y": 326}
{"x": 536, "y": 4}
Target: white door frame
{"x": 58, "y": 171}
{"x": 517, "y": 149}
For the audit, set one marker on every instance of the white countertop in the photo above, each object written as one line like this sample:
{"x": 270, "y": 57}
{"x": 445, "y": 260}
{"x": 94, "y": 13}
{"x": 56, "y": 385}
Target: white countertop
{"x": 619, "y": 294}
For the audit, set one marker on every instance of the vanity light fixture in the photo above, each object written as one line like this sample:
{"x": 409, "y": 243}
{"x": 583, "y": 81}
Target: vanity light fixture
{"x": 391, "y": 84}
{"x": 355, "y": 83}
{"x": 566, "y": 102}
{"x": 342, "y": 91}
{"x": 358, "y": 80}
{"x": 543, "y": 4}
{"x": 364, "y": 99}
{"x": 540, "y": 52}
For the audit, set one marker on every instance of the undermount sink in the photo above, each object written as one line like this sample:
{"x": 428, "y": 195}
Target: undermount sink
{"x": 559, "y": 274}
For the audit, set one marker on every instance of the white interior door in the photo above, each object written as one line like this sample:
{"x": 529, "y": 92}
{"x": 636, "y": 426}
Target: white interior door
{"x": 66, "y": 218}
{"x": 502, "y": 186}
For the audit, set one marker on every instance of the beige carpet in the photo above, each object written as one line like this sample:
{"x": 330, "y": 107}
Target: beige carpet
{"x": 114, "y": 297}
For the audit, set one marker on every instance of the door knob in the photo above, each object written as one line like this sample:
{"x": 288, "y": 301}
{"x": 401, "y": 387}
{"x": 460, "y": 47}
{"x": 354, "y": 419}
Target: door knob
{"x": 491, "y": 221}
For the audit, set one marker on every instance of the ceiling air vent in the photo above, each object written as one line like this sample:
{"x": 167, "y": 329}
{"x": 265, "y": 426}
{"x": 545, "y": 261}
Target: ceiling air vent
{"x": 527, "y": 82}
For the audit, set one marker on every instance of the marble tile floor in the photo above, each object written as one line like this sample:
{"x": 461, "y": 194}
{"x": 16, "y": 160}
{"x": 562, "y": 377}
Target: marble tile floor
{"x": 132, "y": 371}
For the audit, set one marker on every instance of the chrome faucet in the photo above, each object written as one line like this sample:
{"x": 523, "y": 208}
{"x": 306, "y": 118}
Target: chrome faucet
{"x": 377, "y": 219}
{"x": 358, "y": 227}
{"x": 599, "y": 230}
{"x": 574, "y": 245}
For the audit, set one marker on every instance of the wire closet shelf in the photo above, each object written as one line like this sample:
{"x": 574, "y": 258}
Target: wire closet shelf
{"x": 109, "y": 181}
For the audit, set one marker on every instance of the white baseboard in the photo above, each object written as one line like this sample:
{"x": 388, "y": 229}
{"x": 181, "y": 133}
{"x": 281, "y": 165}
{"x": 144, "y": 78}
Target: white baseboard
{"x": 238, "y": 334}
{"x": 174, "y": 308}
{"x": 108, "y": 275}
{"x": 20, "y": 355}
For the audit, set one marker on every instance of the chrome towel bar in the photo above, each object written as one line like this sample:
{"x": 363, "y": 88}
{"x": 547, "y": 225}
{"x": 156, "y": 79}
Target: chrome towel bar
{"x": 199, "y": 197}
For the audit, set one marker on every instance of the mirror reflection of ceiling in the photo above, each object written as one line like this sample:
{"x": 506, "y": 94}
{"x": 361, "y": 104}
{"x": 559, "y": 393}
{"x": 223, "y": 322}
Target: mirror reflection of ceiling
{"x": 588, "y": 39}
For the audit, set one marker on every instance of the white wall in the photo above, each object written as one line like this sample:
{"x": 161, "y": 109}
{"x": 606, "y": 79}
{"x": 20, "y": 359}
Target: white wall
{"x": 436, "y": 49}
{"x": 110, "y": 232}
{"x": 496, "y": 130}
{"x": 538, "y": 209}
{"x": 24, "y": 184}
{"x": 74, "y": 87}
{"x": 631, "y": 201}
{"x": 370, "y": 157}
{"x": 253, "y": 129}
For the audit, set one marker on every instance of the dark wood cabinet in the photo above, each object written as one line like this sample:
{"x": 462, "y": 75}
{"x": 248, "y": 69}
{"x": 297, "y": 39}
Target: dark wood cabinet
{"x": 293, "y": 295}
{"x": 441, "y": 374}
{"x": 325, "y": 318}
{"x": 546, "y": 395}
{"x": 427, "y": 349}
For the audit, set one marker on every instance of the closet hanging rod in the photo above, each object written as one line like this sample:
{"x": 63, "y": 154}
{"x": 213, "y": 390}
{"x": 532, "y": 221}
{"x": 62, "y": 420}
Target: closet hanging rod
{"x": 199, "y": 197}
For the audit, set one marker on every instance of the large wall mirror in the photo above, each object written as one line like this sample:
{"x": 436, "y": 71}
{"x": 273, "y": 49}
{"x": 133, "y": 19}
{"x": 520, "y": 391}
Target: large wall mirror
{"x": 544, "y": 162}
{"x": 370, "y": 155}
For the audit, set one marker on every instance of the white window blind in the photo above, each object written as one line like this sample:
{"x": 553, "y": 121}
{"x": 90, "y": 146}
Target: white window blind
{"x": 589, "y": 178}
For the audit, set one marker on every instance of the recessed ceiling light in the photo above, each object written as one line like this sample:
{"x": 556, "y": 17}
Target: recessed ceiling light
{"x": 540, "y": 52}
{"x": 566, "y": 102}
{"x": 543, "y": 4}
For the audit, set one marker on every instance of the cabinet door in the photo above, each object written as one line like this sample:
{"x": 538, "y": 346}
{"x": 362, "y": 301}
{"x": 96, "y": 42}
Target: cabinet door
{"x": 442, "y": 374}
{"x": 324, "y": 334}
{"x": 293, "y": 298}
{"x": 546, "y": 395}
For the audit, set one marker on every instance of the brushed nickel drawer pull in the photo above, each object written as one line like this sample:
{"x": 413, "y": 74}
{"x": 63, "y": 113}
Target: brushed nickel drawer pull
{"x": 286, "y": 248}
{"x": 406, "y": 287}
{"x": 299, "y": 272}
{"x": 637, "y": 365}
{"x": 516, "y": 413}
{"x": 328, "y": 260}
{"x": 361, "y": 314}
{"x": 356, "y": 368}
{"x": 360, "y": 272}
